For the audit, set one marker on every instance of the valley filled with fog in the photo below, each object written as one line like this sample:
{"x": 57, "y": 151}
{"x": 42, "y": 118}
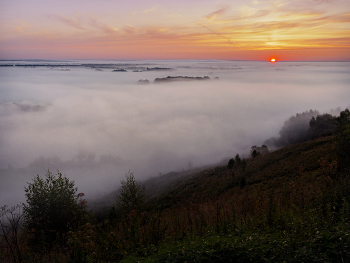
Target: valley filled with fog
{"x": 95, "y": 125}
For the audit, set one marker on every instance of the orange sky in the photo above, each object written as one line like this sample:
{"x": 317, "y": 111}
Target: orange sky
{"x": 306, "y": 30}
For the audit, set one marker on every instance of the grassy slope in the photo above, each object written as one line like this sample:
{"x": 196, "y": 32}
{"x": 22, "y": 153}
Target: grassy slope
{"x": 298, "y": 162}
{"x": 284, "y": 212}
{"x": 195, "y": 185}
{"x": 290, "y": 205}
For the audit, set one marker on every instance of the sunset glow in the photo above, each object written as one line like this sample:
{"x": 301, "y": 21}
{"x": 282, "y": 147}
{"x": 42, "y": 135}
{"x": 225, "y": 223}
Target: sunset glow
{"x": 273, "y": 60}
{"x": 240, "y": 30}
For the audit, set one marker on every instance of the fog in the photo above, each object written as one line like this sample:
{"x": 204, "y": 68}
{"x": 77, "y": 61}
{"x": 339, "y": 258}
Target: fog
{"x": 95, "y": 125}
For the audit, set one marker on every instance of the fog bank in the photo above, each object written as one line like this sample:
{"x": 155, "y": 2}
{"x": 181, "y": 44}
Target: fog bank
{"x": 96, "y": 125}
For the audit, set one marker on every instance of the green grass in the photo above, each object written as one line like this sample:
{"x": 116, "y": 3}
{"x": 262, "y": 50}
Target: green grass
{"x": 259, "y": 246}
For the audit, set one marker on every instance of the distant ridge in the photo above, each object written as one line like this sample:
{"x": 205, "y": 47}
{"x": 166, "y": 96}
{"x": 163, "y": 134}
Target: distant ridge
{"x": 179, "y": 78}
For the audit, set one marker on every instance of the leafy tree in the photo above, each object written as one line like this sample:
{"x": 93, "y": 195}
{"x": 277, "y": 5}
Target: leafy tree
{"x": 238, "y": 160}
{"x": 255, "y": 153}
{"x": 343, "y": 140}
{"x": 132, "y": 194}
{"x": 231, "y": 163}
{"x": 295, "y": 129}
{"x": 322, "y": 125}
{"x": 52, "y": 205}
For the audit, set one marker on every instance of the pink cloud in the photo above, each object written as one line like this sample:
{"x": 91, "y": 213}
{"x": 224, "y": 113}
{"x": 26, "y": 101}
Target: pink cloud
{"x": 73, "y": 22}
{"x": 104, "y": 27}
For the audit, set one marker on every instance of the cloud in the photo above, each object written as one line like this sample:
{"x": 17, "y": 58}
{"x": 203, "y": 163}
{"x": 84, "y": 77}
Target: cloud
{"x": 154, "y": 8}
{"x": 286, "y": 24}
{"x": 104, "y": 27}
{"x": 130, "y": 30}
{"x": 23, "y": 27}
{"x": 217, "y": 13}
{"x": 70, "y": 21}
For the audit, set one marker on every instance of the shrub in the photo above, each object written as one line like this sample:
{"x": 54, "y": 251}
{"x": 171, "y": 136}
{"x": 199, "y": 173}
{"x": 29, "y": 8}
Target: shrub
{"x": 52, "y": 205}
{"x": 132, "y": 195}
{"x": 10, "y": 241}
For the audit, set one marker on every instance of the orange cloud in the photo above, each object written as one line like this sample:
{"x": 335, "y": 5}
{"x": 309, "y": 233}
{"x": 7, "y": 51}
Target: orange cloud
{"x": 230, "y": 32}
{"x": 24, "y": 26}
{"x": 217, "y": 13}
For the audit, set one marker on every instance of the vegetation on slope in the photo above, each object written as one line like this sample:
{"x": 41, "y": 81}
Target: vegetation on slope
{"x": 290, "y": 205}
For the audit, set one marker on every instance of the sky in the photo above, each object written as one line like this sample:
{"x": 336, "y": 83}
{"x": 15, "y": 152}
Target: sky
{"x": 295, "y": 30}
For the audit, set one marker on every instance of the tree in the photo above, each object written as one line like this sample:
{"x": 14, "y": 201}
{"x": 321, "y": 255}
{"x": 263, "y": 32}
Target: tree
{"x": 10, "y": 223}
{"x": 238, "y": 160}
{"x": 52, "y": 205}
{"x": 343, "y": 140}
{"x": 231, "y": 163}
{"x": 255, "y": 153}
{"x": 322, "y": 125}
{"x": 132, "y": 194}
{"x": 294, "y": 130}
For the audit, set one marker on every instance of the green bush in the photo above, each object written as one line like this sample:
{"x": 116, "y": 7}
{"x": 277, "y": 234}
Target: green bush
{"x": 132, "y": 195}
{"x": 53, "y": 206}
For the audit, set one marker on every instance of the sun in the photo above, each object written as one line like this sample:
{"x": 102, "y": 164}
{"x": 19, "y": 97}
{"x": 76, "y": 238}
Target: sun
{"x": 273, "y": 60}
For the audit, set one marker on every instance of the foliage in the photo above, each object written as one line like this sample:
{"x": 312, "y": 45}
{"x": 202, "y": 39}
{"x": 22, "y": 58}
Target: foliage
{"x": 322, "y": 125}
{"x": 132, "y": 195}
{"x": 257, "y": 246}
{"x": 11, "y": 220}
{"x": 255, "y": 153}
{"x": 53, "y": 207}
{"x": 343, "y": 140}
{"x": 238, "y": 160}
{"x": 289, "y": 205}
{"x": 231, "y": 163}
{"x": 244, "y": 164}
{"x": 294, "y": 130}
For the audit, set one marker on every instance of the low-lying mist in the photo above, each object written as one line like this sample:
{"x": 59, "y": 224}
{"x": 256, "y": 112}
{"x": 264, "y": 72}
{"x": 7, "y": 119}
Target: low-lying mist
{"x": 96, "y": 125}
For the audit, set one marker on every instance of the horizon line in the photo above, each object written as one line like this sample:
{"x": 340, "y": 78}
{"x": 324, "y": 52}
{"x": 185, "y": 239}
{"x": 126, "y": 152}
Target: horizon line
{"x": 228, "y": 60}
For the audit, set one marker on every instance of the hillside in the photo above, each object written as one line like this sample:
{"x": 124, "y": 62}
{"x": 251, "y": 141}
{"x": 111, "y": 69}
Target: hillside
{"x": 289, "y": 205}
{"x": 297, "y": 163}
{"x": 284, "y": 205}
